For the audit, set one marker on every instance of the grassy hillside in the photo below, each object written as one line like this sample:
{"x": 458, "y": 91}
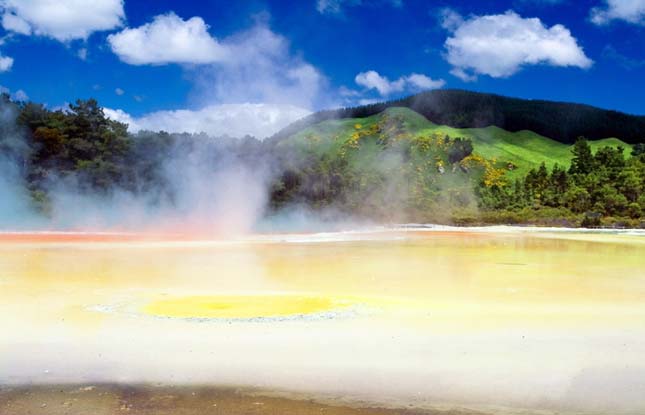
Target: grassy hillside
{"x": 380, "y": 166}
{"x": 561, "y": 121}
{"x": 398, "y": 166}
{"x": 518, "y": 152}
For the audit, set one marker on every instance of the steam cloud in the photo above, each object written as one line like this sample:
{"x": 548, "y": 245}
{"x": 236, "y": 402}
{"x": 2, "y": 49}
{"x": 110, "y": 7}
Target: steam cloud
{"x": 218, "y": 186}
{"x": 201, "y": 194}
{"x": 15, "y": 206}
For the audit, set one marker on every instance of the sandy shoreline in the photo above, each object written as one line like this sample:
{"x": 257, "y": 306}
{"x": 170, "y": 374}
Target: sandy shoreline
{"x": 185, "y": 400}
{"x": 404, "y": 228}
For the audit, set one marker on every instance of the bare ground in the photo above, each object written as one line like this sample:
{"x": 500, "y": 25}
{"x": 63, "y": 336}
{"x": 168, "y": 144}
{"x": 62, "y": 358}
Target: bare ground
{"x": 170, "y": 400}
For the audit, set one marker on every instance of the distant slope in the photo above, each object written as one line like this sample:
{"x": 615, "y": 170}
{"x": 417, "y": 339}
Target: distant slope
{"x": 560, "y": 121}
{"x": 524, "y": 149}
{"x": 377, "y": 167}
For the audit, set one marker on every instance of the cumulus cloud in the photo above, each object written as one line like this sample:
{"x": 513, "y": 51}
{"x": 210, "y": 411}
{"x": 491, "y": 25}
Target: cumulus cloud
{"x": 6, "y": 63}
{"x": 254, "y": 65}
{"x": 420, "y": 81}
{"x": 235, "y": 120}
{"x": 336, "y": 6}
{"x": 631, "y": 11}
{"x": 63, "y": 20}
{"x": 260, "y": 68}
{"x": 167, "y": 39}
{"x": 119, "y": 91}
{"x": 248, "y": 83}
{"x": 373, "y": 80}
{"x": 13, "y": 23}
{"x": 499, "y": 45}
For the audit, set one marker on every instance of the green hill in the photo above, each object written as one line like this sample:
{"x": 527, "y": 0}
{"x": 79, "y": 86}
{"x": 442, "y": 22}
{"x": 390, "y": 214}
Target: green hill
{"x": 518, "y": 152}
{"x": 560, "y": 121}
{"x": 379, "y": 166}
{"x": 396, "y": 166}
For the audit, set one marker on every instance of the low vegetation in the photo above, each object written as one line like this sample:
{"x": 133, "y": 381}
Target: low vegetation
{"x": 601, "y": 188}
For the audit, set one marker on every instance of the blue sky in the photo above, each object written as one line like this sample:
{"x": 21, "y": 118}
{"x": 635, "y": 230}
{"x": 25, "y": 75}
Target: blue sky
{"x": 191, "y": 64}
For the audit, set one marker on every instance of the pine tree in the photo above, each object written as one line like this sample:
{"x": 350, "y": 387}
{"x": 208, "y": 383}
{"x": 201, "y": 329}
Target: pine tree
{"x": 583, "y": 161}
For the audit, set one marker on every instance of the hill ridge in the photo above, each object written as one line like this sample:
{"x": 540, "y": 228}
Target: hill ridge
{"x": 523, "y": 149}
{"x": 560, "y": 121}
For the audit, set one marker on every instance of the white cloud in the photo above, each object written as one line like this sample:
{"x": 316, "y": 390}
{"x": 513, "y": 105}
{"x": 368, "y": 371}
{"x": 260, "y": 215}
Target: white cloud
{"x": 82, "y": 53}
{"x": 247, "y": 83}
{"x": 6, "y": 63}
{"x": 119, "y": 91}
{"x": 13, "y": 23}
{"x": 254, "y": 65}
{"x": 631, "y": 11}
{"x": 63, "y": 20}
{"x": 385, "y": 87}
{"x": 450, "y": 19}
{"x": 373, "y": 80}
{"x": 347, "y": 92}
{"x": 20, "y": 95}
{"x": 260, "y": 68}
{"x": 423, "y": 82}
{"x": 336, "y": 6}
{"x": 235, "y": 120}
{"x": 333, "y": 6}
{"x": 367, "y": 101}
{"x": 499, "y": 45}
{"x": 167, "y": 39}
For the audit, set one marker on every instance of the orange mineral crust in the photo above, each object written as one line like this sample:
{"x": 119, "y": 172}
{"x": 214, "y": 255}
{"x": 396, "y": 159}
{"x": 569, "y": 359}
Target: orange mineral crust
{"x": 97, "y": 237}
{"x": 187, "y": 235}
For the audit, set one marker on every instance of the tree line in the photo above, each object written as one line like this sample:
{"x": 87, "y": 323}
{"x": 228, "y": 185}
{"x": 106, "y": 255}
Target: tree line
{"x": 596, "y": 187}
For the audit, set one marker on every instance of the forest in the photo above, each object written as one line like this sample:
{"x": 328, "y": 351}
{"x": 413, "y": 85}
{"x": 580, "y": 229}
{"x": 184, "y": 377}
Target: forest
{"x": 601, "y": 187}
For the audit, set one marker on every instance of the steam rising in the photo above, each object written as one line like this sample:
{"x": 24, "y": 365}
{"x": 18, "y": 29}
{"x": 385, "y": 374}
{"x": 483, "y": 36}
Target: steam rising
{"x": 15, "y": 205}
{"x": 220, "y": 186}
{"x": 214, "y": 187}
{"x": 235, "y": 120}
{"x": 226, "y": 200}
{"x": 258, "y": 87}
{"x": 200, "y": 195}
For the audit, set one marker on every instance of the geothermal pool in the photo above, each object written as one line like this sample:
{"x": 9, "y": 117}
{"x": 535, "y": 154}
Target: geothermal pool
{"x": 431, "y": 318}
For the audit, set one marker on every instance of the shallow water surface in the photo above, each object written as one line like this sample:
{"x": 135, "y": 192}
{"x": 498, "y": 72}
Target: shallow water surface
{"x": 538, "y": 319}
